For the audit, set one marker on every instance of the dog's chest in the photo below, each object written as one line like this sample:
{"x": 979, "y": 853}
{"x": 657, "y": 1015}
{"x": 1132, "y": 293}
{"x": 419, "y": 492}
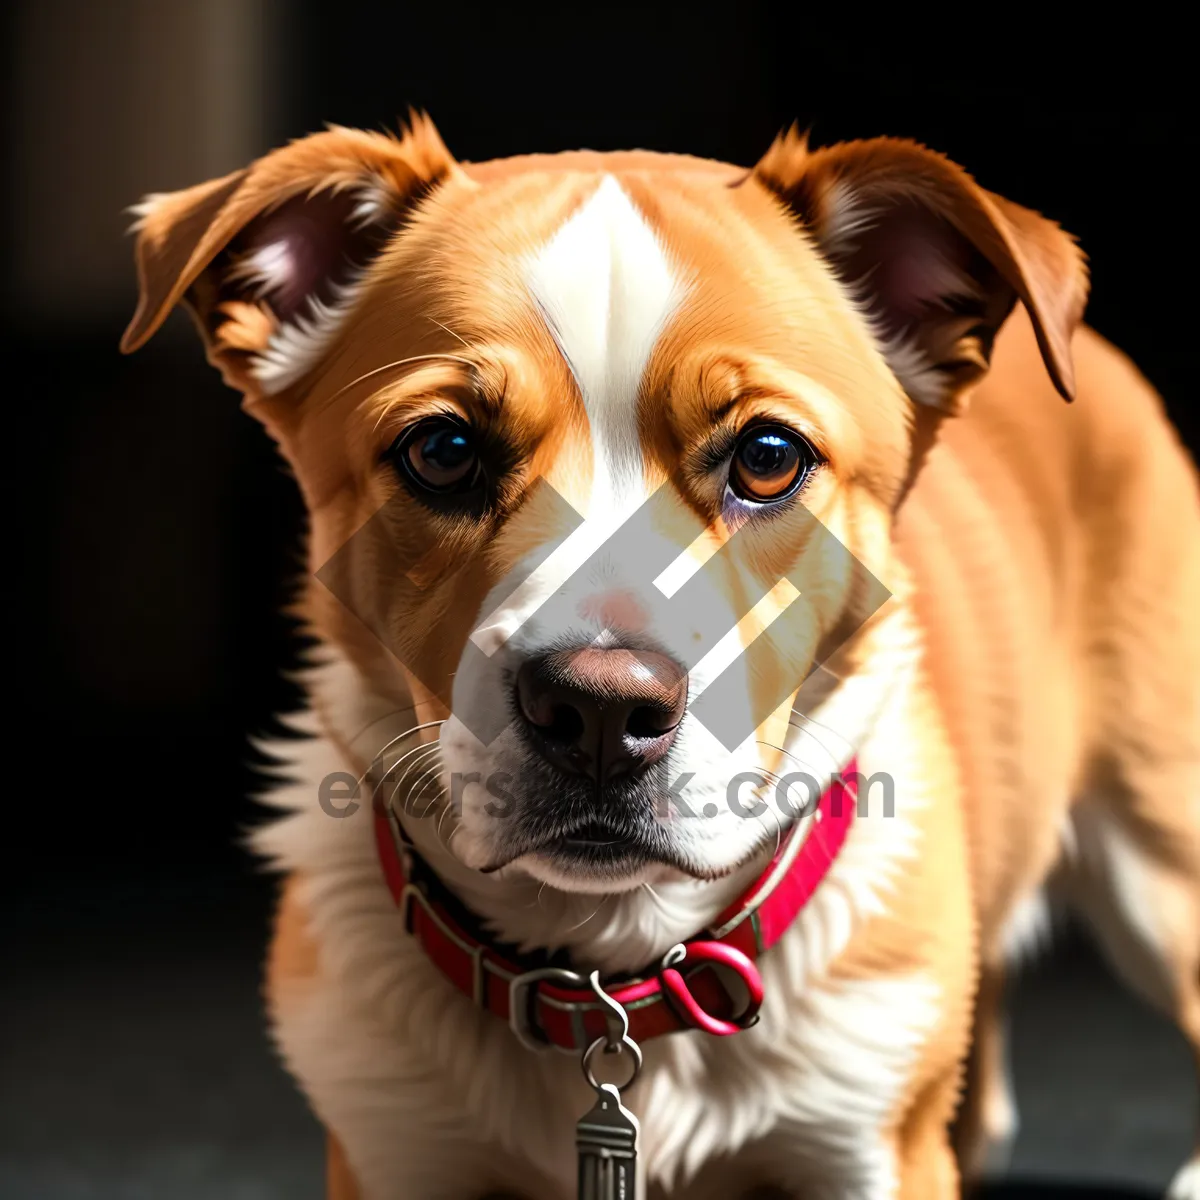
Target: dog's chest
{"x": 426, "y": 1093}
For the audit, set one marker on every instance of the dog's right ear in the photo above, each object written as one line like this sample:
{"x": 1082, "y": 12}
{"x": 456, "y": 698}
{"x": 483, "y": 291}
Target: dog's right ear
{"x": 267, "y": 259}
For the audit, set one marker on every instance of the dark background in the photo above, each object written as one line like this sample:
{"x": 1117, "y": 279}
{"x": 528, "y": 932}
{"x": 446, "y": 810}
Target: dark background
{"x": 155, "y": 530}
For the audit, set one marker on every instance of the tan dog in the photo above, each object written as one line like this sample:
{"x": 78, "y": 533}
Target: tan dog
{"x": 858, "y": 334}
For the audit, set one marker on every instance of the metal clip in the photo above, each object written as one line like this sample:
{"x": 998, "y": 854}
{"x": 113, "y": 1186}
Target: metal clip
{"x": 521, "y": 996}
{"x": 617, "y": 1040}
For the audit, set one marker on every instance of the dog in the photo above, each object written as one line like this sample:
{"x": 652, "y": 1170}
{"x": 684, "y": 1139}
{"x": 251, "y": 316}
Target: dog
{"x": 724, "y": 630}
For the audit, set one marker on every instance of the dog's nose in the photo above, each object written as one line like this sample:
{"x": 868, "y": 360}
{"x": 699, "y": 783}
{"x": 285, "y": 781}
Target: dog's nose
{"x": 602, "y": 712}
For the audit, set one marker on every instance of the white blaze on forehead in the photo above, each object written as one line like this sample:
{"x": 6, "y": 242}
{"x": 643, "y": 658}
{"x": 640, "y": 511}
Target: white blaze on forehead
{"x": 607, "y": 289}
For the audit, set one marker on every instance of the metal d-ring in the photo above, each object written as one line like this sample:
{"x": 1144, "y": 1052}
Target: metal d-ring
{"x": 602, "y": 1043}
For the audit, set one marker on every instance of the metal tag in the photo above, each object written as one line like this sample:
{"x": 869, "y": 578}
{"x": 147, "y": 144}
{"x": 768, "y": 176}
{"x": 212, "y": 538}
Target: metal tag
{"x": 606, "y": 1140}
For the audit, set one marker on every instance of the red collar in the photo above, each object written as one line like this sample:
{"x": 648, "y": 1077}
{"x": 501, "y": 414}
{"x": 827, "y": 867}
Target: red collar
{"x": 547, "y": 1003}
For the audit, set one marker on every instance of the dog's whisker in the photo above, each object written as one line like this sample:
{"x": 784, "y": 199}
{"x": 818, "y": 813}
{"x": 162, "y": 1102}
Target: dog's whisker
{"x": 397, "y": 365}
{"x": 778, "y": 830}
{"x": 800, "y": 762}
{"x": 375, "y": 762}
{"x": 811, "y": 723}
{"x": 775, "y": 778}
{"x": 362, "y": 779}
{"x": 590, "y": 915}
{"x": 811, "y": 720}
{"x": 418, "y": 796}
{"x": 805, "y": 763}
{"x": 413, "y": 795}
{"x": 450, "y": 331}
{"x": 436, "y": 766}
{"x": 431, "y": 777}
{"x": 394, "y": 713}
{"x": 422, "y": 754}
{"x": 446, "y": 812}
{"x": 418, "y": 753}
{"x": 416, "y": 750}
{"x": 407, "y": 734}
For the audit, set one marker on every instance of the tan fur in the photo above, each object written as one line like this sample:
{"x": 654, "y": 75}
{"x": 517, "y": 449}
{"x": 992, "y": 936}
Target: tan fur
{"x": 340, "y": 1183}
{"x": 1050, "y": 553}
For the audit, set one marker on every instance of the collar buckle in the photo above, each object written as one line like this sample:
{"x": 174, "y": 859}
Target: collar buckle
{"x": 522, "y": 1003}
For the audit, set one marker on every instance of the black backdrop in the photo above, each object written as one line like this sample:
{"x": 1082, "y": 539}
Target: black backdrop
{"x": 154, "y": 527}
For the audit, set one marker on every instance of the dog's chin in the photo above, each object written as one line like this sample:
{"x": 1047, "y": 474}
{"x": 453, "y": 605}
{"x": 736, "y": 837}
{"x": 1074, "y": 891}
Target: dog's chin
{"x": 597, "y": 867}
{"x": 604, "y": 866}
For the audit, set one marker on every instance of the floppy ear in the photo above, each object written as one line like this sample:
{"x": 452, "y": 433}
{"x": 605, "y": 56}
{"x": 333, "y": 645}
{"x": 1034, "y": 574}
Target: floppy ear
{"x": 936, "y": 262}
{"x": 268, "y": 259}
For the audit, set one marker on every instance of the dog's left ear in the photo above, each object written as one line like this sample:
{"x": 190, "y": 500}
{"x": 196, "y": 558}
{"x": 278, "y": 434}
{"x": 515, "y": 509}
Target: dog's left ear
{"x": 936, "y": 261}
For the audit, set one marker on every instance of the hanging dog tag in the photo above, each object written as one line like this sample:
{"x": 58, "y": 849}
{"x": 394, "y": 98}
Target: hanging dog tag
{"x": 606, "y": 1139}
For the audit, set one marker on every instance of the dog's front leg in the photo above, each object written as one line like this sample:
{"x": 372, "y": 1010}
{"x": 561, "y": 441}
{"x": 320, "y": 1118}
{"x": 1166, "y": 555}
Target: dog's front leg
{"x": 341, "y": 1184}
{"x": 926, "y": 1164}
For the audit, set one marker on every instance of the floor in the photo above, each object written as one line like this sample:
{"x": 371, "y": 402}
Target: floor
{"x": 134, "y": 1064}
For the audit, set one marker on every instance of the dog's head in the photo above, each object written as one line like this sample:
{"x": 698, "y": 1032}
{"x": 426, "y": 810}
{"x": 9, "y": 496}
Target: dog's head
{"x": 601, "y": 452}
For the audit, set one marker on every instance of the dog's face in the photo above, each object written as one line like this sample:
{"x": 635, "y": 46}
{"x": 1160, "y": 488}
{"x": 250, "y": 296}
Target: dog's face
{"x": 601, "y": 452}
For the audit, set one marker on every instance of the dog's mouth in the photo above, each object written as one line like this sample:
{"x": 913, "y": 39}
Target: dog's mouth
{"x": 598, "y": 838}
{"x": 593, "y": 847}
{"x": 594, "y": 835}
{"x": 598, "y": 847}
{"x": 562, "y": 828}
{"x": 604, "y": 852}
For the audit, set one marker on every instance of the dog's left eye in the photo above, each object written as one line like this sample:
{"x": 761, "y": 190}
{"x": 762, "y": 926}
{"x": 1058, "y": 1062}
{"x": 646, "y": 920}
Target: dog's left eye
{"x": 438, "y": 455}
{"x": 769, "y": 463}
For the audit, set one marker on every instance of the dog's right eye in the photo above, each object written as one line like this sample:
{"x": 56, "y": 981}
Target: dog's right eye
{"x": 438, "y": 456}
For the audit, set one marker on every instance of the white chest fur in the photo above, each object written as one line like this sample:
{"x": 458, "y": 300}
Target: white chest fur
{"x": 430, "y": 1096}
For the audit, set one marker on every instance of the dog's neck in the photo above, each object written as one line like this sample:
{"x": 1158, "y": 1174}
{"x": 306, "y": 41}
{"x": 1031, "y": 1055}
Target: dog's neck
{"x": 623, "y": 931}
